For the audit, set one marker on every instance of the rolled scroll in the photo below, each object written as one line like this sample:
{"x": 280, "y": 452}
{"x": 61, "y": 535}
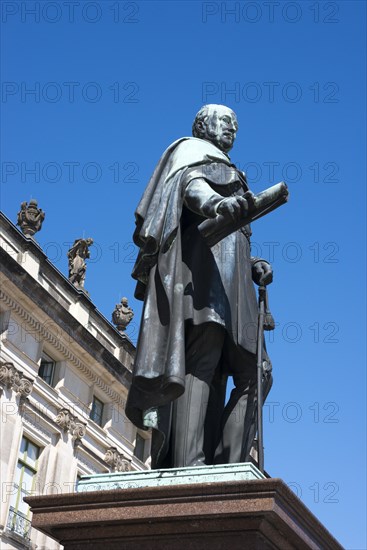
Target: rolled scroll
{"x": 215, "y": 229}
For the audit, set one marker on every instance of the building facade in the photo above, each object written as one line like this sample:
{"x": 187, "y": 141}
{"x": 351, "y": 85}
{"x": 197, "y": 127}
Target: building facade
{"x": 64, "y": 375}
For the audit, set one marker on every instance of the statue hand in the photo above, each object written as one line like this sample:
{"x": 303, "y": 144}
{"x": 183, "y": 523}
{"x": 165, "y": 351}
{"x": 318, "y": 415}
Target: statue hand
{"x": 236, "y": 207}
{"x": 262, "y": 273}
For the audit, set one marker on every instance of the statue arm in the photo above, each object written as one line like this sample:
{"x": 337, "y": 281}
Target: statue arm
{"x": 201, "y": 198}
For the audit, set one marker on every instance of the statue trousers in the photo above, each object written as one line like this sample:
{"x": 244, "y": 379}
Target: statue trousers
{"x": 204, "y": 431}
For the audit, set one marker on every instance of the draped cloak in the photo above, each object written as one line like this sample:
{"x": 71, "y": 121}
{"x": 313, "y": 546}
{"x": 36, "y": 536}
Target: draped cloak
{"x": 171, "y": 273}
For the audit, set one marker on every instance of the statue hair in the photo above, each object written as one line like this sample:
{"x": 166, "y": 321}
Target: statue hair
{"x": 202, "y": 116}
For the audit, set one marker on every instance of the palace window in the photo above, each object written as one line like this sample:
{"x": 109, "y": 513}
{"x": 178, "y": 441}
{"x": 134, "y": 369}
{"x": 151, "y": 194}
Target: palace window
{"x": 139, "y": 450}
{"x": 96, "y": 413}
{"x": 47, "y": 369}
{"x": 25, "y": 478}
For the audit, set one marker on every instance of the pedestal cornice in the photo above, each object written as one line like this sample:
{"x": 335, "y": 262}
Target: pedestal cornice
{"x": 257, "y": 514}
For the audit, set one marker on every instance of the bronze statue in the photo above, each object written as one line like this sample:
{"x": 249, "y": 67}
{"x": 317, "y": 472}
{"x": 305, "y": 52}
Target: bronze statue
{"x": 200, "y": 315}
{"x": 77, "y": 255}
{"x": 30, "y": 218}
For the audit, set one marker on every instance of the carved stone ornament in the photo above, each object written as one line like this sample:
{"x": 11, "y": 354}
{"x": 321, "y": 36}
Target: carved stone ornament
{"x": 70, "y": 423}
{"x": 125, "y": 465}
{"x": 116, "y": 461}
{"x": 64, "y": 419}
{"x": 122, "y": 315}
{"x": 8, "y": 374}
{"x": 24, "y": 387}
{"x": 13, "y": 378}
{"x": 111, "y": 457}
{"x": 78, "y": 431}
{"x": 30, "y": 218}
{"x": 77, "y": 255}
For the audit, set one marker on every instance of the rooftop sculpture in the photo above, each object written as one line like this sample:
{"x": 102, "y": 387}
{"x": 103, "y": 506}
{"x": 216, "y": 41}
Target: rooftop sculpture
{"x": 30, "y": 218}
{"x": 77, "y": 255}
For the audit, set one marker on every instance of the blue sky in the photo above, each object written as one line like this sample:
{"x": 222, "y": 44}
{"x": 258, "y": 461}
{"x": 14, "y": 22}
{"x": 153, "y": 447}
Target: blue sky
{"x": 114, "y": 83}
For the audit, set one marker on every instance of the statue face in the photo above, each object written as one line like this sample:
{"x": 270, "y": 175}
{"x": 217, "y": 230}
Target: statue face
{"x": 221, "y": 127}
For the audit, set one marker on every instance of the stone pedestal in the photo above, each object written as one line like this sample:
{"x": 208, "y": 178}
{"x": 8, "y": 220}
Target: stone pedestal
{"x": 246, "y": 512}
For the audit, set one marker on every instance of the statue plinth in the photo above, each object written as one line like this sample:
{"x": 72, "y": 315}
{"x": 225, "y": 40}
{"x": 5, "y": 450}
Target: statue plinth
{"x": 241, "y": 514}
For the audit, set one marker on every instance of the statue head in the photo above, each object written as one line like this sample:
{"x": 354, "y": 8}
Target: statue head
{"x": 217, "y": 124}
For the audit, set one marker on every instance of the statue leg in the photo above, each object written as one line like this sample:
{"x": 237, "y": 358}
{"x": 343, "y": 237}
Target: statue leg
{"x": 203, "y": 348}
{"x": 238, "y": 424}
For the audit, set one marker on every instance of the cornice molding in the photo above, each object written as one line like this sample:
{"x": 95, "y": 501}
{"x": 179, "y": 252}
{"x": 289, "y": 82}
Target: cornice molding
{"x": 55, "y": 343}
{"x": 47, "y": 268}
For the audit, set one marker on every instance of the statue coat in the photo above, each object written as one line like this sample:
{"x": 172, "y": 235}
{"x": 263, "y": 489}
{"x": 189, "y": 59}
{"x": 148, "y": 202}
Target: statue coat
{"x": 182, "y": 280}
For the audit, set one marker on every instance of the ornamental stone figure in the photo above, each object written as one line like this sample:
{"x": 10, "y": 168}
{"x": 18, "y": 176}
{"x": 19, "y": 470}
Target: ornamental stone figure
{"x": 117, "y": 461}
{"x": 122, "y": 315}
{"x": 77, "y": 255}
{"x": 14, "y": 379}
{"x": 30, "y": 218}
{"x": 70, "y": 423}
{"x": 200, "y": 309}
